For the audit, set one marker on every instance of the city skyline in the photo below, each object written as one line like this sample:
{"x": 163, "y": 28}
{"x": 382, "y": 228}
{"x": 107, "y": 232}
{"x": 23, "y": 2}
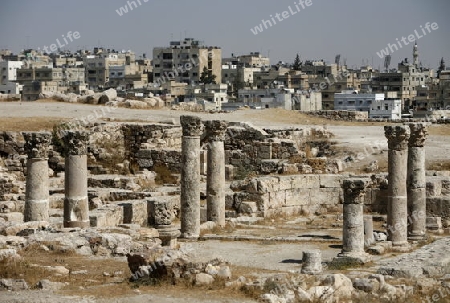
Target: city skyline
{"x": 356, "y": 30}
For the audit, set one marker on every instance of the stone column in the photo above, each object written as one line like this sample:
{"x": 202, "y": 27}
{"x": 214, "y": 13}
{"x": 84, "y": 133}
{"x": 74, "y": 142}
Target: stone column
{"x": 163, "y": 223}
{"x": 190, "y": 177}
{"x": 76, "y": 205}
{"x": 37, "y": 194}
{"x": 215, "y": 181}
{"x": 368, "y": 231}
{"x": 397, "y": 215}
{"x": 353, "y": 227}
{"x": 312, "y": 262}
{"x": 417, "y": 198}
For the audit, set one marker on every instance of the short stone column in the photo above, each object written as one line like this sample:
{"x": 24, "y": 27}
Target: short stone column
{"x": 190, "y": 177}
{"x": 163, "y": 223}
{"x": 397, "y": 212}
{"x": 37, "y": 192}
{"x": 368, "y": 231}
{"x": 353, "y": 227}
{"x": 417, "y": 198}
{"x": 312, "y": 262}
{"x": 76, "y": 204}
{"x": 215, "y": 181}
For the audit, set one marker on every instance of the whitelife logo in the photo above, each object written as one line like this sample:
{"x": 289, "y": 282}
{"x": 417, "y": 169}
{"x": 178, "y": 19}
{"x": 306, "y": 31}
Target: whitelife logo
{"x": 265, "y": 24}
{"x": 54, "y": 47}
{"x": 411, "y": 38}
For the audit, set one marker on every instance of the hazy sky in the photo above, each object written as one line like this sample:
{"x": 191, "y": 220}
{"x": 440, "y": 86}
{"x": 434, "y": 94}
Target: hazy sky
{"x": 356, "y": 29}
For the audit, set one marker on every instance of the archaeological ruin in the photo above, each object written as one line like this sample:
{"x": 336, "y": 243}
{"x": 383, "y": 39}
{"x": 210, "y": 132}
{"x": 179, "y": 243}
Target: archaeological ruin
{"x": 195, "y": 199}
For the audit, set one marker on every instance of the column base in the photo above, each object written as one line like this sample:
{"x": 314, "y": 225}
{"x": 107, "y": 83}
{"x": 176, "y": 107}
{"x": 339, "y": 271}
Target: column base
{"x": 401, "y": 247}
{"x": 416, "y": 236}
{"x": 189, "y": 237}
{"x": 168, "y": 235}
{"x": 80, "y": 224}
{"x": 351, "y": 257}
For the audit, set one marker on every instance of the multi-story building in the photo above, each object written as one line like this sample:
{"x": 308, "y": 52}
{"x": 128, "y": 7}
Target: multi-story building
{"x": 404, "y": 81}
{"x": 98, "y": 67}
{"x": 40, "y": 80}
{"x": 184, "y": 61}
{"x": 329, "y": 86}
{"x": 435, "y": 94}
{"x": 387, "y": 109}
{"x": 8, "y": 77}
{"x": 352, "y": 100}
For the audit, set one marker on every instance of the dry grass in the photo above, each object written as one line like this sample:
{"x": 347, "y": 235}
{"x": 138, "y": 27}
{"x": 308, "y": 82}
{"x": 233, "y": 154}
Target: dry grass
{"x": 443, "y": 165}
{"x": 439, "y": 130}
{"x": 295, "y": 117}
{"x": 30, "y": 123}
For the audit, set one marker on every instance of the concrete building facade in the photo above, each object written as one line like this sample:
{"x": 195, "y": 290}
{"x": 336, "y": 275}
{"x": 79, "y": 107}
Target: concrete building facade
{"x": 184, "y": 61}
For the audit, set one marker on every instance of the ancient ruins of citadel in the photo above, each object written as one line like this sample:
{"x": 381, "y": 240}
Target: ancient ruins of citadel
{"x": 65, "y": 193}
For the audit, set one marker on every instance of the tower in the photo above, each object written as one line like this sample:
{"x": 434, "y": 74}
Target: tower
{"x": 416, "y": 55}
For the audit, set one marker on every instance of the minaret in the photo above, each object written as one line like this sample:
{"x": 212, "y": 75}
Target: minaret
{"x": 416, "y": 55}
{"x": 441, "y": 67}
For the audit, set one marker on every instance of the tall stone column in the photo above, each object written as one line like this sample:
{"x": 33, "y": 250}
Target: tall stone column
{"x": 190, "y": 177}
{"x": 215, "y": 181}
{"x": 417, "y": 199}
{"x": 76, "y": 205}
{"x": 353, "y": 227}
{"x": 397, "y": 216}
{"x": 37, "y": 194}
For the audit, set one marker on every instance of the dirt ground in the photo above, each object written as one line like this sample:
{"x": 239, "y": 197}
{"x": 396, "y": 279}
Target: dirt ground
{"x": 366, "y": 138}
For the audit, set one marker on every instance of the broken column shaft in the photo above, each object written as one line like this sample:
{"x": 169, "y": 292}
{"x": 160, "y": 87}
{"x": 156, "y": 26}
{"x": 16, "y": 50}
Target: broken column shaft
{"x": 215, "y": 181}
{"x": 353, "y": 227}
{"x": 37, "y": 185}
{"x": 76, "y": 205}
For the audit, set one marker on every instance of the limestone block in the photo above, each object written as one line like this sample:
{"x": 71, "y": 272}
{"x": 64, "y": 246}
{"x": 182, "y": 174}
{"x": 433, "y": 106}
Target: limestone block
{"x": 445, "y": 191}
{"x": 107, "y": 216}
{"x": 298, "y": 196}
{"x": 434, "y": 186}
{"x": 328, "y": 196}
{"x": 306, "y": 181}
{"x": 330, "y": 181}
{"x": 135, "y": 212}
{"x": 268, "y": 184}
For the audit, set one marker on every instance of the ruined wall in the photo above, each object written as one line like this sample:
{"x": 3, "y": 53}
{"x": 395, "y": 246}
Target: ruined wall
{"x": 305, "y": 194}
{"x": 343, "y": 115}
{"x": 148, "y": 145}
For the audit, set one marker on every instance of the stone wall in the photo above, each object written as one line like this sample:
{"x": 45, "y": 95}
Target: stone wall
{"x": 305, "y": 194}
{"x": 344, "y": 115}
{"x": 296, "y": 194}
{"x": 146, "y": 144}
{"x": 269, "y": 150}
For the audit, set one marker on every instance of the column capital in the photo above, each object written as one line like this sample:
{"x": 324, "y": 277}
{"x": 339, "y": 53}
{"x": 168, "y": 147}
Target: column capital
{"x": 163, "y": 213}
{"x": 354, "y": 190}
{"x": 397, "y": 136}
{"x": 216, "y": 129}
{"x": 75, "y": 143}
{"x": 419, "y": 132}
{"x": 192, "y": 126}
{"x": 37, "y": 144}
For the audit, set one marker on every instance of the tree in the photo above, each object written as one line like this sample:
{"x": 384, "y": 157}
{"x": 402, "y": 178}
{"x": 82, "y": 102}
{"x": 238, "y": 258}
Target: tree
{"x": 297, "y": 63}
{"x": 207, "y": 77}
{"x": 237, "y": 82}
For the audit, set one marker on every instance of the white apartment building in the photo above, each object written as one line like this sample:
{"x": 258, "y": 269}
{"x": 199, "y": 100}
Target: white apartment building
{"x": 388, "y": 109}
{"x": 352, "y": 100}
{"x": 8, "y": 76}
